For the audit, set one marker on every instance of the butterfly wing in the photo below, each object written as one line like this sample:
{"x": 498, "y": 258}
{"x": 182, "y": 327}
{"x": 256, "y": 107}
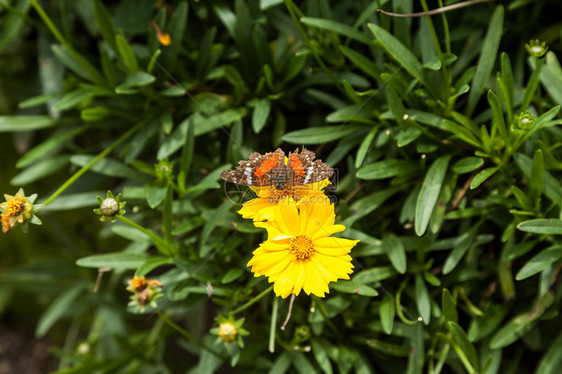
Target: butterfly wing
{"x": 258, "y": 170}
{"x": 305, "y": 170}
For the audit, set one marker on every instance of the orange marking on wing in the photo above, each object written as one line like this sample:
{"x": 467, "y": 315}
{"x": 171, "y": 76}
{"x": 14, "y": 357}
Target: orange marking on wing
{"x": 296, "y": 164}
{"x": 266, "y": 166}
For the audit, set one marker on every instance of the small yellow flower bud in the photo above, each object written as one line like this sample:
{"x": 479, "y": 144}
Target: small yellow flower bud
{"x": 228, "y": 332}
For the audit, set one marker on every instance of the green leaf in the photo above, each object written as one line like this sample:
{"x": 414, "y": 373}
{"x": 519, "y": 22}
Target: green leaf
{"x": 349, "y": 286}
{"x": 552, "y": 188}
{"x": 117, "y": 261}
{"x": 397, "y": 50}
{"x": 232, "y": 275}
{"x": 521, "y": 324}
{"x": 371, "y": 202}
{"x": 188, "y": 225}
{"x": 364, "y": 147}
{"x": 58, "y": 309}
{"x": 429, "y": 193}
{"x": 375, "y": 275}
{"x": 105, "y": 25}
{"x": 462, "y": 244}
{"x": 260, "y": 115}
{"x": 319, "y": 135}
{"x": 449, "y": 307}
{"x": 542, "y": 226}
{"x": 151, "y": 264}
{"x": 423, "y": 300}
{"x": 540, "y": 262}
{"x": 362, "y": 62}
{"x": 78, "y": 64}
{"x": 134, "y": 80}
{"x": 176, "y": 29}
{"x": 480, "y": 327}
{"x": 387, "y": 311}
{"x": 537, "y": 175}
{"x": 74, "y": 201}
{"x": 155, "y": 195}
{"x": 73, "y": 98}
{"x": 24, "y": 123}
{"x": 498, "y": 121}
{"x": 210, "y": 225}
{"x": 337, "y": 27}
{"x": 39, "y": 170}
{"x": 482, "y": 176}
{"x": 387, "y": 169}
{"x": 487, "y": 59}
{"x": 551, "y": 361}
{"x": 464, "y": 345}
{"x": 551, "y": 77}
{"x": 204, "y": 125}
{"x": 127, "y": 54}
{"x": 39, "y": 100}
{"x": 13, "y": 22}
{"x": 416, "y": 359}
{"x": 109, "y": 167}
{"x": 467, "y": 164}
{"x": 395, "y": 251}
{"x": 320, "y": 354}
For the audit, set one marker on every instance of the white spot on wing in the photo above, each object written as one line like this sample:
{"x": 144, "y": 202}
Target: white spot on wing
{"x": 308, "y": 174}
{"x": 248, "y": 174}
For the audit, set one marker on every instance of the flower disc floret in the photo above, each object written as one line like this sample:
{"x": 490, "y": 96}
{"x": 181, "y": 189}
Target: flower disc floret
{"x": 301, "y": 247}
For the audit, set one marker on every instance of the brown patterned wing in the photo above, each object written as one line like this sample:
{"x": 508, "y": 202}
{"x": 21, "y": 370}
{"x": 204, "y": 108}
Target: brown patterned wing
{"x": 305, "y": 170}
{"x": 258, "y": 170}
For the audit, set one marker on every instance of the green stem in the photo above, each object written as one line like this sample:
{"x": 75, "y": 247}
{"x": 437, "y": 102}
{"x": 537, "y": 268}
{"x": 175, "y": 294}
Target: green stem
{"x": 188, "y": 336}
{"x": 273, "y": 325}
{"x": 146, "y": 231}
{"x": 253, "y": 301}
{"x": 54, "y": 30}
{"x": 87, "y": 167}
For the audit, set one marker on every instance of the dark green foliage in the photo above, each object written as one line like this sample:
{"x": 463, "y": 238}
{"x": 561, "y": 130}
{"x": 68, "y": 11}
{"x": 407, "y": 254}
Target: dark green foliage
{"x": 443, "y": 130}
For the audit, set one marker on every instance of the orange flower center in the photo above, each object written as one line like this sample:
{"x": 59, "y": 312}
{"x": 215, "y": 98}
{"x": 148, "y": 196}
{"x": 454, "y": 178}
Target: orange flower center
{"x": 15, "y": 207}
{"x": 301, "y": 247}
{"x": 139, "y": 283}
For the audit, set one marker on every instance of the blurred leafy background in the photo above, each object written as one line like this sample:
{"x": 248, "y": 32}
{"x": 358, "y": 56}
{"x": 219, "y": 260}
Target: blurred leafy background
{"x": 451, "y": 187}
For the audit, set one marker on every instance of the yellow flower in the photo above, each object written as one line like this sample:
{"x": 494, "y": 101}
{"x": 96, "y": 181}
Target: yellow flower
{"x": 145, "y": 291}
{"x": 261, "y": 208}
{"x": 299, "y": 253}
{"x": 16, "y": 209}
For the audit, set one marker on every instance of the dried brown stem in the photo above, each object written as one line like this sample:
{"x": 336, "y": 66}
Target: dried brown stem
{"x": 434, "y": 11}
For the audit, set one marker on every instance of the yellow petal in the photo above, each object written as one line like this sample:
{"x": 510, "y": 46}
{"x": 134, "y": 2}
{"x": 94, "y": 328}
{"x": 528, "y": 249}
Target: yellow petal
{"x": 323, "y": 232}
{"x": 314, "y": 282}
{"x": 334, "y": 246}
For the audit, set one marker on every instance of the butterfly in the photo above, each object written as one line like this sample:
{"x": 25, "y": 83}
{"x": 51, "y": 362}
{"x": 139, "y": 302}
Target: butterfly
{"x": 271, "y": 169}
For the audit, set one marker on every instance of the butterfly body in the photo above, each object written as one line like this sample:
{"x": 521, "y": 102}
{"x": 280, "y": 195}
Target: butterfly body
{"x": 271, "y": 169}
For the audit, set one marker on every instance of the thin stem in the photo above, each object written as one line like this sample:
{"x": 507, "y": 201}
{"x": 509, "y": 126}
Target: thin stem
{"x": 289, "y": 312}
{"x": 87, "y": 167}
{"x": 144, "y": 230}
{"x": 252, "y": 301}
{"x": 434, "y": 11}
{"x": 272, "y": 329}
{"x": 54, "y": 30}
{"x": 187, "y": 335}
